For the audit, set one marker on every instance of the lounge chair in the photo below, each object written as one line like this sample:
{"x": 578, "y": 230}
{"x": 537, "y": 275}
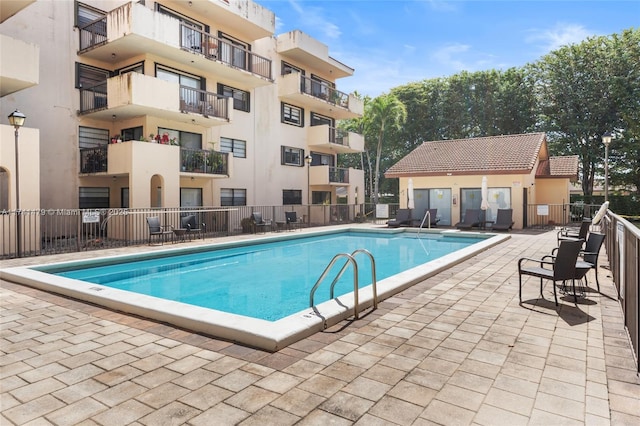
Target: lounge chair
{"x": 157, "y": 230}
{"x": 558, "y": 268}
{"x": 291, "y": 219}
{"x": 504, "y": 220}
{"x": 433, "y": 219}
{"x": 471, "y": 218}
{"x": 403, "y": 218}
{"x": 259, "y": 222}
{"x": 568, "y": 234}
{"x": 189, "y": 223}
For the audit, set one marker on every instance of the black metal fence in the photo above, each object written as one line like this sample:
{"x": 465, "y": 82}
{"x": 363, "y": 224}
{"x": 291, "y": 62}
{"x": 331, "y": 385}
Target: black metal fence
{"x": 54, "y": 231}
{"x": 623, "y": 250}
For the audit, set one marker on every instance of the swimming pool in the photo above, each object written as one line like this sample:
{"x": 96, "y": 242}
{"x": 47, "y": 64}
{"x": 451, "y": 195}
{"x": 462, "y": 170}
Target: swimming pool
{"x": 276, "y": 328}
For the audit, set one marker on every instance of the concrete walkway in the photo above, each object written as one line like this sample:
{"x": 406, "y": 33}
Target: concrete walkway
{"x": 455, "y": 349}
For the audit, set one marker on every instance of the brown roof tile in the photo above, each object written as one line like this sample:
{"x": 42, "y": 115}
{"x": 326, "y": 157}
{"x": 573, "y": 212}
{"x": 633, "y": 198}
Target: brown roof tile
{"x": 508, "y": 153}
{"x": 559, "y": 167}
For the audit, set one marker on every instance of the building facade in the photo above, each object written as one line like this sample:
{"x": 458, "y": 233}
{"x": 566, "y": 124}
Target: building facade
{"x": 447, "y": 175}
{"x": 181, "y": 104}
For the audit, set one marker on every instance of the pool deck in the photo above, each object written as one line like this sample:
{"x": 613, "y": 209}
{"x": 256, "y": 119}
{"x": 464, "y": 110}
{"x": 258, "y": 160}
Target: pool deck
{"x": 457, "y": 348}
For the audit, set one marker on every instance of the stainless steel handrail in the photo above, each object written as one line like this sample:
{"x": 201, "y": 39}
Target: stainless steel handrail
{"x": 350, "y": 259}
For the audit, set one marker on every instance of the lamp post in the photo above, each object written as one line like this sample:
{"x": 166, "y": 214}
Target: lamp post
{"x": 16, "y": 119}
{"x": 606, "y": 140}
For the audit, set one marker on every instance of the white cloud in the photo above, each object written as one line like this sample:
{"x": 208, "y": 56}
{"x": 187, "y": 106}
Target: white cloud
{"x": 313, "y": 19}
{"x": 561, "y": 34}
{"x": 449, "y": 56}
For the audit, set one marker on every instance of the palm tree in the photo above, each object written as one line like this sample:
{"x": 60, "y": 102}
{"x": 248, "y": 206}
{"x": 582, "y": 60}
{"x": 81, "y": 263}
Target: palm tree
{"x": 386, "y": 112}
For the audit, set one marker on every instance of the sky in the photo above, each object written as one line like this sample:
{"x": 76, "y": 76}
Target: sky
{"x": 394, "y": 42}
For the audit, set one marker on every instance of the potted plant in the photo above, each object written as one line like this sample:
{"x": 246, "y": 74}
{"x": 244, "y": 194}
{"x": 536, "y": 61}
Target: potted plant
{"x": 247, "y": 225}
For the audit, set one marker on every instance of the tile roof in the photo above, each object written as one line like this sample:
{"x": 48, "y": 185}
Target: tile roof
{"x": 493, "y": 154}
{"x": 566, "y": 166}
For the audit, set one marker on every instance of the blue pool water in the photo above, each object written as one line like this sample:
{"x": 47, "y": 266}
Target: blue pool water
{"x": 269, "y": 280}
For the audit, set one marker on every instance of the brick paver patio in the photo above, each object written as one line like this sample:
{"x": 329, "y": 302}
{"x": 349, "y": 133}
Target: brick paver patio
{"x": 455, "y": 349}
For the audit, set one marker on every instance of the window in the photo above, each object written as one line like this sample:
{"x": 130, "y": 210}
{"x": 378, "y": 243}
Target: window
{"x": 292, "y": 115}
{"x": 93, "y": 198}
{"x": 233, "y": 197}
{"x": 288, "y": 69}
{"x": 131, "y": 134}
{"x": 320, "y": 87}
{"x": 189, "y": 83}
{"x": 185, "y": 139}
{"x": 321, "y": 197}
{"x": 292, "y": 156}
{"x": 88, "y": 76}
{"x": 86, "y": 14}
{"x": 235, "y": 146}
{"x": 234, "y": 51}
{"x": 291, "y": 196}
{"x": 190, "y": 197}
{"x": 191, "y": 30}
{"x": 240, "y": 97}
{"x": 89, "y": 137}
{"x": 319, "y": 120}
{"x": 138, "y": 67}
{"x": 320, "y": 159}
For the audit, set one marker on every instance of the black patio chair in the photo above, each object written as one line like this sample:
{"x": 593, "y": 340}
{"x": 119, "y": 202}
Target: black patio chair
{"x": 571, "y": 234}
{"x": 157, "y": 230}
{"x": 558, "y": 268}
{"x": 189, "y": 223}
{"x": 291, "y": 219}
{"x": 259, "y": 222}
{"x": 589, "y": 257}
{"x": 504, "y": 220}
{"x": 403, "y": 218}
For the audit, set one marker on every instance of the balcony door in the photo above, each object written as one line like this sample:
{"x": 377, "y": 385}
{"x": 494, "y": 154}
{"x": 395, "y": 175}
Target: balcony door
{"x": 186, "y": 82}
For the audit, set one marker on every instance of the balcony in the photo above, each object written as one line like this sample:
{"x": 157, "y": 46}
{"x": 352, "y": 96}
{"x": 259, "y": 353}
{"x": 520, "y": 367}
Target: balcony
{"x": 133, "y": 95}
{"x": 328, "y": 175}
{"x": 338, "y": 140}
{"x": 10, "y": 8}
{"x": 19, "y": 65}
{"x": 133, "y": 30}
{"x": 304, "y": 49}
{"x": 302, "y": 91}
{"x": 126, "y": 157}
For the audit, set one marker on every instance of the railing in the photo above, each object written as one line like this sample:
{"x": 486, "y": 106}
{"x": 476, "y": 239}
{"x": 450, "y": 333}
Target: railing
{"x": 55, "y": 230}
{"x": 93, "y": 98}
{"x": 322, "y": 90}
{"x": 204, "y": 161}
{"x": 221, "y": 50}
{"x": 338, "y": 175}
{"x": 543, "y": 215}
{"x": 338, "y": 136}
{"x": 93, "y": 160}
{"x": 623, "y": 251}
{"x": 93, "y": 34}
{"x": 203, "y": 102}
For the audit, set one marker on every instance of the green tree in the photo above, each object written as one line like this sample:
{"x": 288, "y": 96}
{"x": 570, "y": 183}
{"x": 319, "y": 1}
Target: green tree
{"x": 383, "y": 114}
{"x": 584, "y": 90}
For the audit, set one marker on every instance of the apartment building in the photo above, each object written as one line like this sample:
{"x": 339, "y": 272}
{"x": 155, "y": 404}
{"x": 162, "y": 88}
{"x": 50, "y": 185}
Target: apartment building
{"x": 178, "y": 103}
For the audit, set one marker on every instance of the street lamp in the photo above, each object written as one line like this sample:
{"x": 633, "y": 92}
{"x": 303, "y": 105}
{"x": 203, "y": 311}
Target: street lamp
{"x": 308, "y": 159}
{"x": 606, "y": 140}
{"x": 16, "y": 119}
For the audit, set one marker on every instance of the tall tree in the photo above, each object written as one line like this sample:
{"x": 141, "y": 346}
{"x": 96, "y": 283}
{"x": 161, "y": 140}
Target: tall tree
{"x": 585, "y": 90}
{"x": 383, "y": 114}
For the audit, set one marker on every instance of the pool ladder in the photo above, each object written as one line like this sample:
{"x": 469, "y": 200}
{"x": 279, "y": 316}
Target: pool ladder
{"x": 350, "y": 259}
{"x": 427, "y": 214}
